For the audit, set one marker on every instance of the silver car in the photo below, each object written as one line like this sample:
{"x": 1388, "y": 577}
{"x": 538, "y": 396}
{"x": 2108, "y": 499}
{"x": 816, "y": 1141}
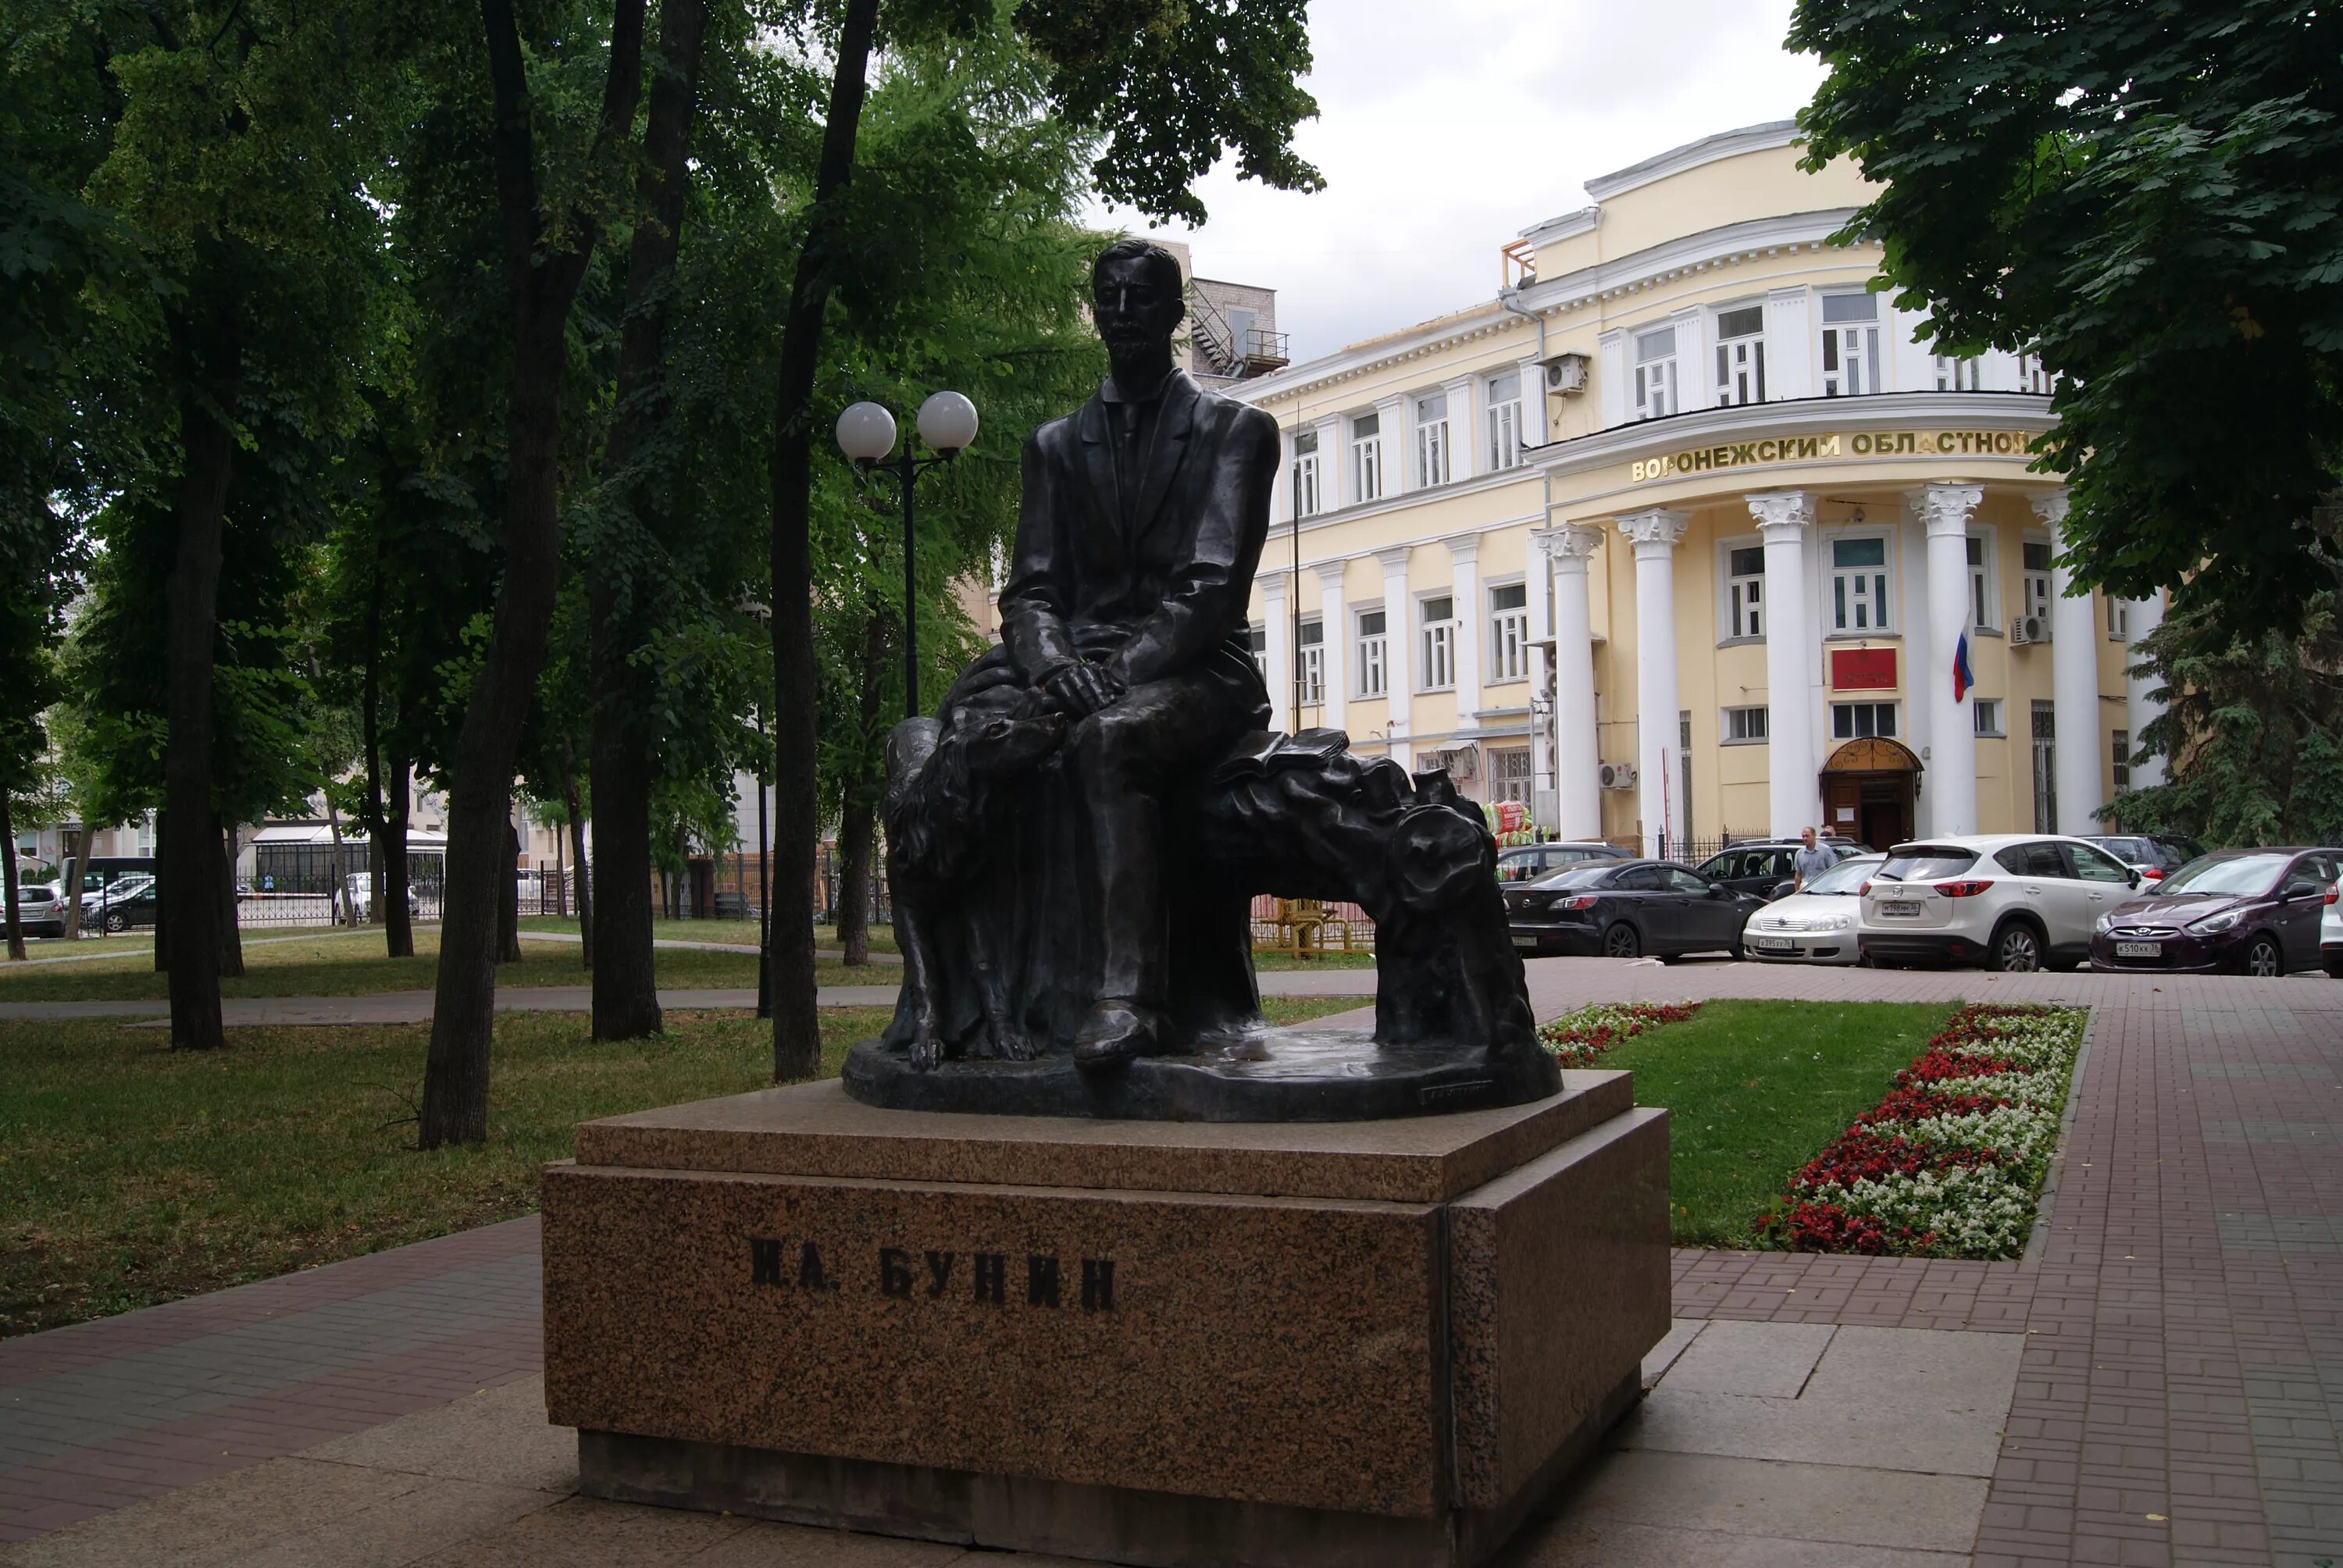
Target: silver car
{"x": 1821, "y": 923}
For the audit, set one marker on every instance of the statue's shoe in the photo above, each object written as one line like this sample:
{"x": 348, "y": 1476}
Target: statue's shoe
{"x": 1115, "y": 1031}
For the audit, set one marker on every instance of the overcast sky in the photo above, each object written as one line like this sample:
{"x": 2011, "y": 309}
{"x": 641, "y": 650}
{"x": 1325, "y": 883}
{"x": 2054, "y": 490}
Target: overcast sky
{"x": 1444, "y": 128}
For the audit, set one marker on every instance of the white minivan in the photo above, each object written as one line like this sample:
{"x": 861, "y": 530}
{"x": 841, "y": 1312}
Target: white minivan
{"x": 2013, "y": 901}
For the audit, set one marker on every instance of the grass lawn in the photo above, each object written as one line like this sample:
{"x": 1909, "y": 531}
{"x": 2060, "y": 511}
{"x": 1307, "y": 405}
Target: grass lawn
{"x": 130, "y": 1174}
{"x": 351, "y": 963}
{"x": 1755, "y": 1089}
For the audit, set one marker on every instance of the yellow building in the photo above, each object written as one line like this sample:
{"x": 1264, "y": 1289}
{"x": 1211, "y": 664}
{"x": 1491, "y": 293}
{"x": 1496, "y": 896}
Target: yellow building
{"x": 1681, "y": 534}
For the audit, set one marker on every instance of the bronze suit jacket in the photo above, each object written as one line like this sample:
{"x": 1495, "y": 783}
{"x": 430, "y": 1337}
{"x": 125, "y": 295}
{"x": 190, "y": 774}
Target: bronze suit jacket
{"x": 1178, "y": 576}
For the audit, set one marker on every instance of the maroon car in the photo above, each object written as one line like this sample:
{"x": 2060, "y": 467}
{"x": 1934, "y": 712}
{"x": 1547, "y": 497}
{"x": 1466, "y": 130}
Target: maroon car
{"x": 2247, "y": 911}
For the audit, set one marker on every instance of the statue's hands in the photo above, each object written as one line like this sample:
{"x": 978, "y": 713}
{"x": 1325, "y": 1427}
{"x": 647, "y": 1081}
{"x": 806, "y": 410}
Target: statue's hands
{"x": 1081, "y": 688}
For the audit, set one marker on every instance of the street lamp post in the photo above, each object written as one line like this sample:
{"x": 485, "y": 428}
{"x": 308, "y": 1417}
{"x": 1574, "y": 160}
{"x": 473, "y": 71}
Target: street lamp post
{"x": 865, "y": 433}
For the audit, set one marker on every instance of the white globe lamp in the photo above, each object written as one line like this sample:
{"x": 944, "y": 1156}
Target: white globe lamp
{"x": 948, "y": 423}
{"x": 866, "y": 432}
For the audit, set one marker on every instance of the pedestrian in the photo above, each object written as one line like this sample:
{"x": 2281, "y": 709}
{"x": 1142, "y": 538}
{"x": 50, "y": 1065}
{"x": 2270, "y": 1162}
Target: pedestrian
{"x": 1811, "y": 860}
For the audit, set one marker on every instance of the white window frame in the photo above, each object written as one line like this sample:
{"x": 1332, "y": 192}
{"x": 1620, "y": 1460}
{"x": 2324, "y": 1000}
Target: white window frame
{"x": 1373, "y": 650}
{"x": 1307, "y": 496}
{"x": 1889, "y": 706}
{"x": 1433, "y": 464}
{"x": 2031, "y": 377}
{"x": 1740, "y": 360}
{"x": 1880, "y": 580}
{"x": 1855, "y": 346}
{"x": 1740, "y": 617}
{"x": 2121, "y": 740}
{"x": 1309, "y": 658}
{"x": 1988, "y": 718}
{"x": 1504, "y": 421}
{"x": 1985, "y": 582}
{"x": 2038, "y": 591}
{"x": 2118, "y": 620}
{"x": 1367, "y": 458}
{"x": 1509, "y": 633}
{"x": 1504, "y": 783}
{"x": 1753, "y": 721}
{"x": 1959, "y": 372}
{"x": 1436, "y": 642}
{"x": 1257, "y": 643}
{"x": 1654, "y": 373}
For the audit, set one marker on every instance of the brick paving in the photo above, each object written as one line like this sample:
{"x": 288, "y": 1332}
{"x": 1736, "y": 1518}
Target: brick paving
{"x": 2180, "y": 1398}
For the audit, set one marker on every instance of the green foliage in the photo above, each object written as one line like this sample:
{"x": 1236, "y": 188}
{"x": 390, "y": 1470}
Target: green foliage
{"x": 2149, "y": 195}
{"x": 2253, "y": 733}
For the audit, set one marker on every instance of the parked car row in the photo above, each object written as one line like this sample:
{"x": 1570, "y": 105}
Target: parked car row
{"x": 2011, "y": 901}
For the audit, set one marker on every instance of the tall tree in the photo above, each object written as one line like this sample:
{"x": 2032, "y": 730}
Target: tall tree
{"x": 1169, "y": 85}
{"x": 547, "y": 247}
{"x": 2149, "y": 197}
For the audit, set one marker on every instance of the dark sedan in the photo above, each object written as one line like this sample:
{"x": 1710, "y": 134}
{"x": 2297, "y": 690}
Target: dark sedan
{"x": 1627, "y": 910}
{"x": 2248, "y": 911}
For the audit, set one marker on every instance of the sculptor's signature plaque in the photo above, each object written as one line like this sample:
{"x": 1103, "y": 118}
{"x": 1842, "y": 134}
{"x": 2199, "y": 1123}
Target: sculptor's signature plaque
{"x": 980, "y": 1278}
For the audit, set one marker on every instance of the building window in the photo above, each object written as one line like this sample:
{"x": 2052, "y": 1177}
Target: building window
{"x": 1744, "y": 726}
{"x": 1509, "y": 632}
{"x": 2031, "y": 377}
{"x": 2123, "y": 758}
{"x": 2037, "y": 579}
{"x": 1305, "y": 474}
{"x": 2118, "y": 620}
{"x": 1956, "y": 374}
{"x": 1861, "y": 720}
{"x": 1988, "y": 717}
{"x": 1372, "y": 679}
{"x": 1741, "y": 355}
{"x": 2046, "y": 766}
{"x": 1859, "y": 584}
{"x": 1367, "y": 457}
{"x": 1505, "y": 420}
{"x": 1439, "y": 672}
{"x": 1432, "y": 440}
{"x": 1257, "y": 639}
{"x": 1850, "y": 345}
{"x": 1509, "y": 773}
{"x": 1745, "y": 591}
{"x": 1656, "y": 373}
{"x": 1310, "y": 646}
{"x": 1981, "y": 594}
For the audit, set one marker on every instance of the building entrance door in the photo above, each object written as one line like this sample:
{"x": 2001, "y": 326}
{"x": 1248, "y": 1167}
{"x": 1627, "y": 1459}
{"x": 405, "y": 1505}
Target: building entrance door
{"x": 1870, "y": 789}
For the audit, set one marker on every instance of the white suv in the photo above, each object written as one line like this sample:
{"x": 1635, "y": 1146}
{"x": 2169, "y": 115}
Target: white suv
{"x": 2006, "y": 900}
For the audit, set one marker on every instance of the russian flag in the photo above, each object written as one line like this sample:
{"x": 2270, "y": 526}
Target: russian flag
{"x": 1962, "y": 678}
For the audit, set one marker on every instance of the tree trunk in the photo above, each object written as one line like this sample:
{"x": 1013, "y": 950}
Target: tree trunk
{"x": 543, "y": 286}
{"x": 231, "y": 937}
{"x": 797, "y": 1026}
{"x": 858, "y": 820}
{"x": 340, "y": 893}
{"x": 584, "y": 873}
{"x": 76, "y": 872}
{"x": 508, "y": 902}
{"x": 398, "y": 918}
{"x": 189, "y": 883}
{"x": 161, "y": 904}
{"x": 8, "y": 882}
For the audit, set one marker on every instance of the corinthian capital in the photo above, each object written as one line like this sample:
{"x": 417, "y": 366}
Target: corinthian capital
{"x": 1781, "y": 511}
{"x": 1570, "y": 542}
{"x": 2050, "y": 506}
{"x": 1659, "y": 527}
{"x": 1945, "y": 509}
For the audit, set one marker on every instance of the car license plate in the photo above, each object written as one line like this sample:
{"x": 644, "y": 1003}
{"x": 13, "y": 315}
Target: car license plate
{"x": 2139, "y": 949}
{"x": 1526, "y": 942}
{"x": 1900, "y": 911}
{"x": 1776, "y": 945}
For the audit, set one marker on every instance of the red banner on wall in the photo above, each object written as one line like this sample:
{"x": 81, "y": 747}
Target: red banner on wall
{"x": 1863, "y": 669}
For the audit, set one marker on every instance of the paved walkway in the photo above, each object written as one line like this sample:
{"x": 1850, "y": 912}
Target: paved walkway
{"x": 2177, "y": 1395}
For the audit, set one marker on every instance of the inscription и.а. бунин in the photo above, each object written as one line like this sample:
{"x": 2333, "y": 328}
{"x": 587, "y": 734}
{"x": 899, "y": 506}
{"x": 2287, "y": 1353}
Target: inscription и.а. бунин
{"x": 936, "y": 1275}
{"x": 1862, "y": 444}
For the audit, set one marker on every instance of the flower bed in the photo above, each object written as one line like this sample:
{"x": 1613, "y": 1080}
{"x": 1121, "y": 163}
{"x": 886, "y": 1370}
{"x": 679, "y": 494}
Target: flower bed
{"x": 1576, "y": 1039}
{"x": 1949, "y": 1163}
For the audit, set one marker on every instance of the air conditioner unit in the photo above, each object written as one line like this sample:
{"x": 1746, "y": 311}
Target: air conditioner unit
{"x": 1618, "y": 775}
{"x": 1566, "y": 373}
{"x": 2028, "y": 628}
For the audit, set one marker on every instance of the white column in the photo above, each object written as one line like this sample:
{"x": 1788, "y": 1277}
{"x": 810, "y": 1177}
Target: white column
{"x": 1335, "y": 640}
{"x": 1399, "y": 640}
{"x": 1399, "y": 445}
{"x": 2073, "y": 682}
{"x": 1792, "y": 800}
{"x": 1655, "y": 535}
{"x": 1465, "y": 457}
{"x": 1533, "y": 402}
{"x": 1790, "y": 345}
{"x": 1280, "y": 673}
{"x": 1578, "y": 791}
{"x": 1538, "y": 557}
{"x": 1334, "y": 483}
{"x": 2140, "y": 707}
{"x": 1920, "y": 716}
{"x": 1611, "y": 380}
{"x": 1464, "y": 556}
{"x": 1950, "y": 780}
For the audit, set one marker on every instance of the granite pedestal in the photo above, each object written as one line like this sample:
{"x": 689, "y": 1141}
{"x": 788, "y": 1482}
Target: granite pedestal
{"x": 1157, "y": 1342}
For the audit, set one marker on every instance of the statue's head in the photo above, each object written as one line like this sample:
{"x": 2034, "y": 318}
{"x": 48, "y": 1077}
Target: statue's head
{"x": 1136, "y": 290}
